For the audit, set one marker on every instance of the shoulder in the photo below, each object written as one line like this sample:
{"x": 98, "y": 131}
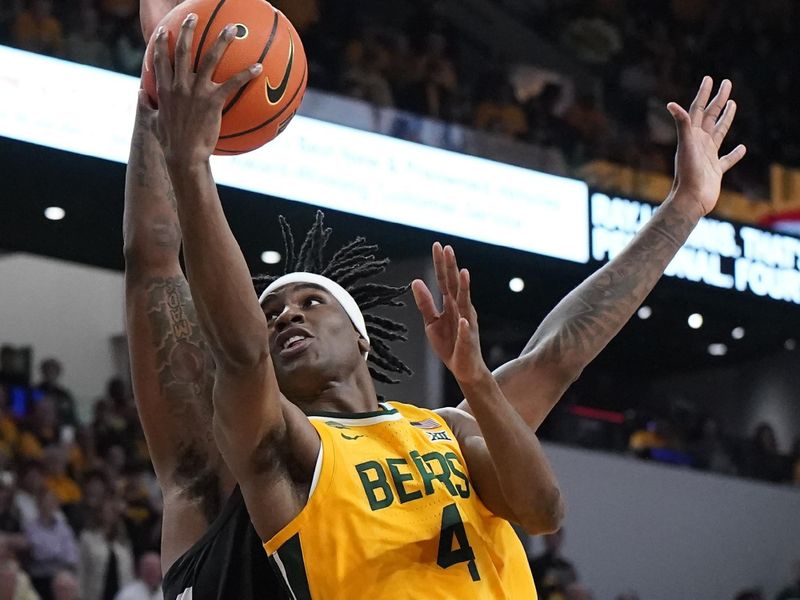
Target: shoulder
{"x": 459, "y": 421}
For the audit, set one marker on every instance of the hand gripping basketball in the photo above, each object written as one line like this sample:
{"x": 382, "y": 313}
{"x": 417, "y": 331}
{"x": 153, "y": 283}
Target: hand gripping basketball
{"x": 190, "y": 105}
{"x": 263, "y": 107}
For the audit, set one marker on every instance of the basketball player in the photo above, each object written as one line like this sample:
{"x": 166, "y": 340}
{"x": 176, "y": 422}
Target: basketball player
{"x": 209, "y": 549}
{"x": 357, "y": 498}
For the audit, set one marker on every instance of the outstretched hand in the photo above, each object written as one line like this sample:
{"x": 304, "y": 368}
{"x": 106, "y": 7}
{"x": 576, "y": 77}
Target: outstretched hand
{"x": 453, "y": 332}
{"x": 190, "y": 104}
{"x": 701, "y": 133}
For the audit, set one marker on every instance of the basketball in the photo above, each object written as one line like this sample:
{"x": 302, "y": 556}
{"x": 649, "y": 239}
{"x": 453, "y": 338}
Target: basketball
{"x": 261, "y": 110}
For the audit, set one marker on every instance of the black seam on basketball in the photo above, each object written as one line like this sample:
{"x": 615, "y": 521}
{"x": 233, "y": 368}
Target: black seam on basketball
{"x": 243, "y": 89}
{"x": 273, "y": 118}
{"x": 223, "y": 151}
{"x": 205, "y": 34}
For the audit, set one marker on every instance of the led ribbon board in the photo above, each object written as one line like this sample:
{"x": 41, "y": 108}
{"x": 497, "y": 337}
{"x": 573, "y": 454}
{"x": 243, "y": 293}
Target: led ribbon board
{"x": 90, "y": 111}
{"x": 718, "y": 253}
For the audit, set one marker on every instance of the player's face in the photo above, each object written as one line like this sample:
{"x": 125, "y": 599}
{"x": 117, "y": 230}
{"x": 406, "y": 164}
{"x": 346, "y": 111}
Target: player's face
{"x": 311, "y": 339}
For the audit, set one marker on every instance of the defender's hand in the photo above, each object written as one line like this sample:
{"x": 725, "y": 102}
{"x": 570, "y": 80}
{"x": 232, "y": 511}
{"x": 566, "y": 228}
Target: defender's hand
{"x": 701, "y": 132}
{"x": 453, "y": 332}
{"x": 151, "y": 12}
{"x": 190, "y": 105}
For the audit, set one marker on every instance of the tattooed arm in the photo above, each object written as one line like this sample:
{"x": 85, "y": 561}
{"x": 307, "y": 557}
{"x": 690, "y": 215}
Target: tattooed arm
{"x": 171, "y": 368}
{"x": 582, "y": 324}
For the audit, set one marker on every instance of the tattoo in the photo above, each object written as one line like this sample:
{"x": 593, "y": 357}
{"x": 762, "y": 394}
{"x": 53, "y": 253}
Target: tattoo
{"x": 583, "y": 324}
{"x": 183, "y": 359}
{"x": 186, "y": 375}
{"x": 173, "y": 199}
{"x": 138, "y": 160}
{"x": 166, "y": 233}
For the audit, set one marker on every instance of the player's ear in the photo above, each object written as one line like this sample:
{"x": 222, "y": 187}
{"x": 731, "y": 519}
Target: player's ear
{"x": 363, "y": 345}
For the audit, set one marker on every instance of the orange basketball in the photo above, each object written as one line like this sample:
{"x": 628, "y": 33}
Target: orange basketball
{"x": 262, "y": 109}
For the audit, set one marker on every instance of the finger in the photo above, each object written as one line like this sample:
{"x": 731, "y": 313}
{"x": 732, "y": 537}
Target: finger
{"x": 728, "y": 161}
{"x": 210, "y": 61}
{"x": 451, "y": 271}
{"x": 439, "y": 268}
{"x": 465, "y": 308}
{"x": 700, "y": 101}
{"x": 682, "y": 120}
{"x": 164, "y": 72}
{"x": 717, "y": 105}
{"x": 424, "y": 300}
{"x": 724, "y": 125}
{"x": 183, "y": 48}
{"x": 233, "y": 84}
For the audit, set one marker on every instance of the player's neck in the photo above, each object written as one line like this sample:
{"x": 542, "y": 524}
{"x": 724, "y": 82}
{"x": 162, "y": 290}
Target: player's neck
{"x": 354, "y": 394}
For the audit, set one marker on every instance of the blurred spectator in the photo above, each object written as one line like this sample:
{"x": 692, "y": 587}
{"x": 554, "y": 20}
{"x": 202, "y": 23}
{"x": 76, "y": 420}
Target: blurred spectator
{"x": 551, "y": 571}
{"x": 577, "y": 591}
{"x": 761, "y": 458}
{"x": 753, "y": 594}
{"x": 31, "y": 486}
{"x": 148, "y": 585}
{"x": 792, "y": 591}
{"x": 53, "y": 545}
{"x": 710, "y": 451}
{"x": 66, "y": 587}
{"x": 106, "y": 559}
{"x": 108, "y": 428}
{"x": 127, "y": 46}
{"x": 38, "y": 30}
{"x": 85, "y": 45}
{"x": 41, "y": 431}
{"x": 593, "y": 40}
{"x": 363, "y": 77}
{"x": 95, "y": 489}
{"x": 15, "y": 366}
{"x": 499, "y": 111}
{"x": 653, "y": 436}
{"x": 58, "y": 481}
{"x": 142, "y": 517}
{"x": 9, "y": 432}
{"x": 588, "y": 122}
{"x": 14, "y": 582}
{"x": 11, "y": 535}
{"x": 51, "y": 371}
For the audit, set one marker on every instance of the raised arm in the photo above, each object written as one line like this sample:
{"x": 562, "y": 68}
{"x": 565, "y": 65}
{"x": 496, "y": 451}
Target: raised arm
{"x": 506, "y": 463}
{"x": 584, "y": 322}
{"x": 172, "y": 373}
{"x": 252, "y": 420}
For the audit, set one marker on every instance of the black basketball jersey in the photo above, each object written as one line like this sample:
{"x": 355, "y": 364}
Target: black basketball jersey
{"x": 228, "y": 563}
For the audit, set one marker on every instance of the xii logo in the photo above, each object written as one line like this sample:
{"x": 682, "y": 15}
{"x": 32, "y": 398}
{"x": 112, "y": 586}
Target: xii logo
{"x": 438, "y": 436}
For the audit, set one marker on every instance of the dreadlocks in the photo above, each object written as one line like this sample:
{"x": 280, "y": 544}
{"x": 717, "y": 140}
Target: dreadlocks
{"x": 351, "y": 264}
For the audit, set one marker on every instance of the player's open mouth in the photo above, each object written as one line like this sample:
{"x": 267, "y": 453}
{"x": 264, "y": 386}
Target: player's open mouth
{"x": 295, "y": 345}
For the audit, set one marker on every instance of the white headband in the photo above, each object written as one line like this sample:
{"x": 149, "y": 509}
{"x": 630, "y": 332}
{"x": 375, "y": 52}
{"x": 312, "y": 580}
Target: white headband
{"x": 334, "y": 289}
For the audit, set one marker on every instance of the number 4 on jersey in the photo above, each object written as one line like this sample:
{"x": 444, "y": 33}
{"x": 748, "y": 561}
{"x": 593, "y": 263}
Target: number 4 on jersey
{"x": 453, "y": 527}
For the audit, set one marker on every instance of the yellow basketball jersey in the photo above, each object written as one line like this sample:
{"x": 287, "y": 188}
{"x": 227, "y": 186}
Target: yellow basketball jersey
{"x": 393, "y": 515}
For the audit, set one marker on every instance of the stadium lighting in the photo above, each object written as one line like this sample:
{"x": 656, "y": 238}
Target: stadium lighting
{"x": 738, "y": 333}
{"x": 645, "y": 313}
{"x": 516, "y": 285}
{"x": 695, "y": 321}
{"x": 271, "y": 257}
{"x": 717, "y": 349}
{"x": 54, "y": 213}
{"x": 790, "y": 344}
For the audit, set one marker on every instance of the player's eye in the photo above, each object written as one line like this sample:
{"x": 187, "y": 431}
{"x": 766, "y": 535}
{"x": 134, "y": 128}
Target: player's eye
{"x": 312, "y": 301}
{"x": 272, "y": 315}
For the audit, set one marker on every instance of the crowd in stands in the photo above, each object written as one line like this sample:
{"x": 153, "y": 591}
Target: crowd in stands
{"x": 640, "y": 54}
{"x": 80, "y": 510}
